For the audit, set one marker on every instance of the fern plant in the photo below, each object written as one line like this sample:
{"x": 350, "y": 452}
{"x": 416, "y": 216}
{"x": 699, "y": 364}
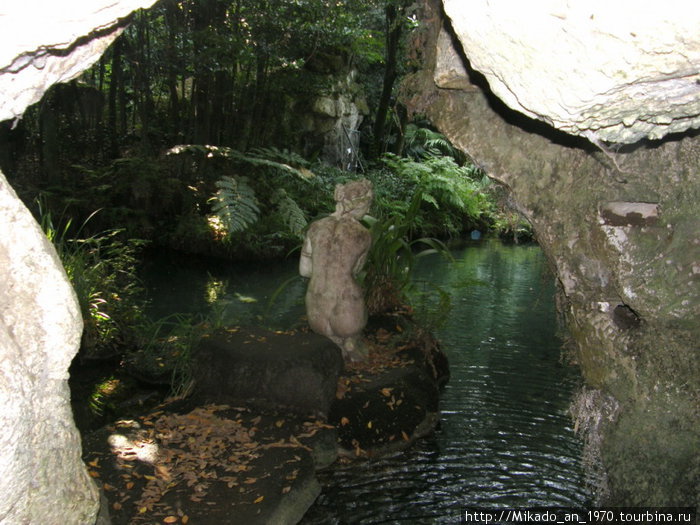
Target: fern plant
{"x": 235, "y": 203}
{"x": 452, "y": 195}
{"x": 422, "y": 142}
{"x": 290, "y": 212}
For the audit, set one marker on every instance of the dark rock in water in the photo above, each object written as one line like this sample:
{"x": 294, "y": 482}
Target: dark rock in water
{"x": 387, "y": 413}
{"x": 295, "y": 370}
{"x": 383, "y": 409}
{"x": 241, "y": 461}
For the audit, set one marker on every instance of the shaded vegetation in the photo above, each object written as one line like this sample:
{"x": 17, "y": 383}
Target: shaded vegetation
{"x": 206, "y": 128}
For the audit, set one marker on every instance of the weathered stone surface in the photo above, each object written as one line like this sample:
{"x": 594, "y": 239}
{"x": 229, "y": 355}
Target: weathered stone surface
{"x": 334, "y": 120}
{"x": 44, "y": 43}
{"x": 298, "y": 371}
{"x": 40, "y": 328}
{"x": 42, "y": 477}
{"x": 450, "y": 70}
{"x": 622, "y": 232}
{"x": 605, "y": 70}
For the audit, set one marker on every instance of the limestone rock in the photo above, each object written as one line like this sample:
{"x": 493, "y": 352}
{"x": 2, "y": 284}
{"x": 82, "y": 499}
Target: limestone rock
{"x": 42, "y": 476}
{"x": 620, "y": 227}
{"x": 450, "y": 71}
{"x": 608, "y": 71}
{"x": 44, "y": 43}
{"x": 40, "y": 328}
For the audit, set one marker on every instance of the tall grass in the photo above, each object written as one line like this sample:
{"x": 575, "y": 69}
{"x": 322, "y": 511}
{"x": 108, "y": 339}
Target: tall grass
{"x": 102, "y": 269}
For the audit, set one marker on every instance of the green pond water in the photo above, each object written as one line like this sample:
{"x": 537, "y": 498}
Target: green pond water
{"x": 505, "y": 439}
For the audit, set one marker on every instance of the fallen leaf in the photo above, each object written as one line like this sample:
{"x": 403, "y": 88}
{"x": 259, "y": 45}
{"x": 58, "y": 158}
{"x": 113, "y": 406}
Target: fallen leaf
{"x": 386, "y": 391}
{"x": 143, "y": 510}
{"x": 130, "y": 485}
{"x": 285, "y": 490}
{"x": 369, "y": 424}
{"x": 279, "y": 423}
{"x": 258, "y": 500}
{"x": 94, "y": 463}
{"x": 163, "y": 472}
{"x": 170, "y": 519}
{"x": 293, "y": 475}
{"x": 405, "y": 436}
{"x": 93, "y": 474}
{"x": 116, "y": 505}
{"x": 250, "y": 481}
{"x": 185, "y": 518}
{"x": 344, "y": 421}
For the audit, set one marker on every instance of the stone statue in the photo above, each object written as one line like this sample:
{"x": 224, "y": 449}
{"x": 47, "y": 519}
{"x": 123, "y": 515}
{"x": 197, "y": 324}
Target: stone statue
{"x": 334, "y": 251}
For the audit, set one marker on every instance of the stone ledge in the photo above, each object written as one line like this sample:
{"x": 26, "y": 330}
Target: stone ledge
{"x": 295, "y": 370}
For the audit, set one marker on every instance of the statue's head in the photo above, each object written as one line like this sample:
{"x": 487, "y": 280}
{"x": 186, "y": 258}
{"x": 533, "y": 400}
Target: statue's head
{"x": 354, "y": 198}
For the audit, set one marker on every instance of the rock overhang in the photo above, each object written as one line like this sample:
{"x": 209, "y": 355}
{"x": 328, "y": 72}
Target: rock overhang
{"x": 610, "y": 72}
{"x": 44, "y": 43}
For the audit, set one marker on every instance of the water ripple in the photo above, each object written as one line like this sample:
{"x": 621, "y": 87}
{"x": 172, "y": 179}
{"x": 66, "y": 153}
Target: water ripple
{"x": 505, "y": 438}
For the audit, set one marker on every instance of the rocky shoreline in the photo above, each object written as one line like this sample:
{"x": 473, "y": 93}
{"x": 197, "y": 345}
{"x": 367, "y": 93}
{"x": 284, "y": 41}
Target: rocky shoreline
{"x": 270, "y": 409}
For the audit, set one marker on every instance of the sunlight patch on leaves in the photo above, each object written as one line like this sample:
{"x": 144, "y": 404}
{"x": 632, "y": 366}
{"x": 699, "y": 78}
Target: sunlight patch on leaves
{"x": 235, "y": 203}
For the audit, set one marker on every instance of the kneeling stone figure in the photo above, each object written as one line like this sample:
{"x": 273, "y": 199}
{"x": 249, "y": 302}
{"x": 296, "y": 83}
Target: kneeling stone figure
{"x": 334, "y": 251}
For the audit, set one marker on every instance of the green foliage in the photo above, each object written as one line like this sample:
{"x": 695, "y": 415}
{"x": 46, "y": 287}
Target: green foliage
{"x": 422, "y": 142}
{"x": 290, "y": 212}
{"x": 101, "y": 268}
{"x": 512, "y": 226}
{"x": 235, "y": 203}
{"x": 452, "y": 197}
{"x": 165, "y": 350}
{"x": 431, "y": 305}
{"x": 387, "y": 273}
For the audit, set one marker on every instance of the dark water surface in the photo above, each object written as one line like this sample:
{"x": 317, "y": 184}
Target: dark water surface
{"x": 505, "y": 438}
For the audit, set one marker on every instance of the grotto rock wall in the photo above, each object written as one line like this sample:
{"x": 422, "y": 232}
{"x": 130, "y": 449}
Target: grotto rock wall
{"x": 620, "y": 227}
{"x": 605, "y": 70}
{"x": 42, "y": 477}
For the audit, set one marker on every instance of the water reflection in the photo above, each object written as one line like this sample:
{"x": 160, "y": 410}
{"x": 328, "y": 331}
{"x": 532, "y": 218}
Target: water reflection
{"x": 233, "y": 293}
{"x": 505, "y": 438}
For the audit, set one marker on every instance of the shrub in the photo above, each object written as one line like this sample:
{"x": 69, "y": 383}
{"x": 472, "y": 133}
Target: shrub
{"x": 101, "y": 269}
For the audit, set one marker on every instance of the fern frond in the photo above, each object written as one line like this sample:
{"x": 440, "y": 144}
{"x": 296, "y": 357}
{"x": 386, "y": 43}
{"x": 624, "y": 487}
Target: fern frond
{"x": 290, "y": 212}
{"x": 277, "y": 155}
{"x": 235, "y": 203}
{"x": 282, "y": 160}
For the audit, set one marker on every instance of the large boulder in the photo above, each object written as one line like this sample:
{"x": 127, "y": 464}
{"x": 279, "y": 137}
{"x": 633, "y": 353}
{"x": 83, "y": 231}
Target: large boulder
{"x": 44, "y": 43}
{"x": 619, "y": 225}
{"x": 42, "y": 477}
{"x": 294, "y": 370}
{"x": 611, "y": 71}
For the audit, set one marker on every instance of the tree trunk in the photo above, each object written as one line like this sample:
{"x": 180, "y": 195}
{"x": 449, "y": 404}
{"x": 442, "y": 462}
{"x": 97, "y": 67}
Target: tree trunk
{"x": 393, "y": 38}
{"x": 115, "y": 86}
{"x": 171, "y": 17}
{"x": 140, "y": 58}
